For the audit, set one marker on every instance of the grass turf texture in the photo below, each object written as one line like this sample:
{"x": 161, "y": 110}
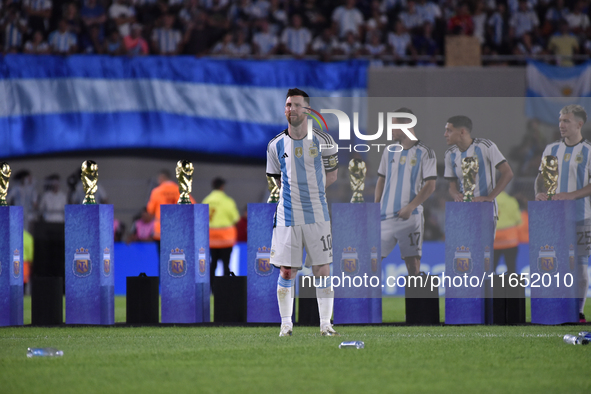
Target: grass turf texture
{"x": 528, "y": 359}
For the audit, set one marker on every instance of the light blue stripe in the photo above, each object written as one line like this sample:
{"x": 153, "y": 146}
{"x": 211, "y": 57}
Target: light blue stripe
{"x": 560, "y": 73}
{"x": 387, "y": 185}
{"x": 483, "y": 187}
{"x": 284, "y": 282}
{"x": 399, "y": 184}
{"x": 454, "y": 168}
{"x": 413, "y": 178}
{"x": 554, "y": 150}
{"x": 564, "y": 170}
{"x": 580, "y": 203}
{"x": 300, "y": 167}
{"x": 285, "y": 184}
{"x": 319, "y": 173}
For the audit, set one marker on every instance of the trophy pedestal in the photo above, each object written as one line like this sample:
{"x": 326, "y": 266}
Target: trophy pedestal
{"x": 552, "y": 259}
{"x": 357, "y": 253}
{"x": 261, "y": 275}
{"x": 184, "y": 263}
{"x": 469, "y": 238}
{"x": 11, "y": 266}
{"x": 90, "y": 281}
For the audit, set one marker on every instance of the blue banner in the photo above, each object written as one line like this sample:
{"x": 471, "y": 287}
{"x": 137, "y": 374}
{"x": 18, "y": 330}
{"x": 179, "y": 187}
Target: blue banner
{"x": 89, "y": 264}
{"x": 11, "y": 266}
{"x": 233, "y": 107}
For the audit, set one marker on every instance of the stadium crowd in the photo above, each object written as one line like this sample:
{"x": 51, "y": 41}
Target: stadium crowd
{"x": 399, "y": 31}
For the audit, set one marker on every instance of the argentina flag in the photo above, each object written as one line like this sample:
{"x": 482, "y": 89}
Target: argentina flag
{"x": 220, "y": 107}
{"x": 549, "y": 88}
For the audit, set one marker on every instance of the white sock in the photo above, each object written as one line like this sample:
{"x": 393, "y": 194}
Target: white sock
{"x": 325, "y": 298}
{"x": 285, "y": 299}
{"x": 583, "y": 285}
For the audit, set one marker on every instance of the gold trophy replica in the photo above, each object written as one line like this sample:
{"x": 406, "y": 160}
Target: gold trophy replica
{"x": 469, "y": 171}
{"x": 357, "y": 172}
{"x": 550, "y": 174}
{"x": 184, "y": 176}
{"x": 5, "y": 172}
{"x": 273, "y": 189}
{"x": 89, "y": 181}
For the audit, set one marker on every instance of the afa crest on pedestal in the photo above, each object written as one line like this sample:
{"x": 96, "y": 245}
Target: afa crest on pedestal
{"x": 463, "y": 261}
{"x": 177, "y": 264}
{"x": 350, "y": 261}
{"x": 16, "y": 263}
{"x": 82, "y": 264}
{"x": 547, "y": 262}
{"x": 262, "y": 265}
{"x": 106, "y": 262}
{"x": 202, "y": 262}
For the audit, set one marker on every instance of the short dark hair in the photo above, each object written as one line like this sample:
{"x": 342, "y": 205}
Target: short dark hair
{"x": 165, "y": 173}
{"x": 461, "y": 121}
{"x": 298, "y": 92}
{"x": 405, "y": 110}
{"x": 218, "y": 183}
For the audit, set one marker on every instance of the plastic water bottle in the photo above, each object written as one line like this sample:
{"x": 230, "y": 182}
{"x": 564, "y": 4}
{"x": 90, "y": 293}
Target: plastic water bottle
{"x": 44, "y": 352}
{"x": 575, "y": 340}
{"x": 585, "y": 334}
{"x": 355, "y": 344}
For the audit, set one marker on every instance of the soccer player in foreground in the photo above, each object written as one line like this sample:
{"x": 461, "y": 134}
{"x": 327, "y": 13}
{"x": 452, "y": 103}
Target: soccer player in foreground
{"x": 458, "y": 134}
{"x": 405, "y": 180}
{"x": 301, "y": 219}
{"x": 574, "y": 170}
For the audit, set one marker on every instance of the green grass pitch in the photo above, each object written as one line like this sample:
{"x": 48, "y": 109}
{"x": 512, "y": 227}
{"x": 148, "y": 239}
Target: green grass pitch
{"x": 448, "y": 359}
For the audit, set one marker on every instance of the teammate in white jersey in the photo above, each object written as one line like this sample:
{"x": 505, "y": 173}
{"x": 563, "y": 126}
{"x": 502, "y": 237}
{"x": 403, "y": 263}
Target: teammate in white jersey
{"x": 574, "y": 170}
{"x": 305, "y": 168}
{"x": 458, "y": 133}
{"x": 406, "y": 179}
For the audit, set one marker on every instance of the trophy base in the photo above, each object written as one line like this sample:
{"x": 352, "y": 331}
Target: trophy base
{"x": 357, "y": 198}
{"x": 184, "y": 201}
{"x": 89, "y": 201}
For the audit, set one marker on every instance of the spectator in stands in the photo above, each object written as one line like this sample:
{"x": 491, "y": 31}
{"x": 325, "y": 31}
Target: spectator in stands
{"x": 296, "y": 39}
{"x": 564, "y": 45}
{"x": 197, "y": 39}
{"x": 167, "y": 40}
{"x": 429, "y": 11}
{"x": 123, "y": 15}
{"x": 224, "y": 46}
{"x": 377, "y": 21}
{"x": 189, "y": 12}
{"x": 325, "y": 45}
{"x": 411, "y": 19}
{"x": 556, "y": 13}
{"x": 461, "y": 23}
{"x": 313, "y": 17}
{"x": 62, "y": 41}
{"x": 526, "y": 47}
{"x": 92, "y": 42}
{"x": 93, "y": 13}
{"x": 73, "y": 18}
{"x": 400, "y": 42}
{"x": 277, "y": 16}
{"x": 351, "y": 47}
{"x": 426, "y": 45}
{"x": 53, "y": 200}
{"x": 392, "y": 7}
{"x": 241, "y": 14}
{"x": 497, "y": 27}
{"x": 347, "y": 18}
{"x": 134, "y": 43}
{"x": 264, "y": 42}
{"x": 479, "y": 19}
{"x": 38, "y": 13}
{"x": 239, "y": 47}
{"x": 217, "y": 19}
{"x": 14, "y": 27}
{"x": 375, "y": 48}
{"x": 23, "y": 192}
{"x": 114, "y": 44}
{"x": 37, "y": 45}
{"x": 523, "y": 21}
{"x": 142, "y": 229}
{"x": 578, "y": 21}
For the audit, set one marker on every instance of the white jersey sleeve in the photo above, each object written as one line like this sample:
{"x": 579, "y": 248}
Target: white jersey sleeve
{"x": 429, "y": 166}
{"x": 449, "y": 171}
{"x": 273, "y": 166}
{"x": 329, "y": 151}
{"x": 383, "y": 164}
{"x": 495, "y": 155}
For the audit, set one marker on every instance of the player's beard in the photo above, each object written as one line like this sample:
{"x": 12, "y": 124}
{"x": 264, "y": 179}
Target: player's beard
{"x": 297, "y": 121}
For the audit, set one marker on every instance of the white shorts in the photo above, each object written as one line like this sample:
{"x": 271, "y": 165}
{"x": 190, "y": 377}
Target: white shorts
{"x": 408, "y": 233}
{"x": 288, "y": 244}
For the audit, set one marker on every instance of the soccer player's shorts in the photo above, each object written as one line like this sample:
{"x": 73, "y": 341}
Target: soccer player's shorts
{"x": 288, "y": 244}
{"x": 584, "y": 238}
{"x": 407, "y": 233}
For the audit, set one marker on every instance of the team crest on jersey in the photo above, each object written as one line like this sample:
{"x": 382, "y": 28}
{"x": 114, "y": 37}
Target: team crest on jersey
{"x": 262, "y": 265}
{"x": 413, "y": 161}
{"x": 106, "y": 262}
{"x": 313, "y": 150}
{"x": 463, "y": 261}
{"x": 567, "y": 157}
{"x": 571, "y": 257}
{"x": 299, "y": 152}
{"x": 82, "y": 264}
{"x": 486, "y": 258}
{"x": 202, "y": 262}
{"x": 579, "y": 158}
{"x": 350, "y": 261}
{"x": 16, "y": 263}
{"x": 403, "y": 160}
{"x": 177, "y": 264}
{"x": 547, "y": 262}
{"x": 374, "y": 259}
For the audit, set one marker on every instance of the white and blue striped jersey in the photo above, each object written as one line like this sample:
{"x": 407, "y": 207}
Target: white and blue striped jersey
{"x": 302, "y": 166}
{"x": 574, "y": 170}
{"x": 167, "y": 39}
{"x": 489, "y": 158}
{"x": 296, "y": 40}
{"x": 405, "y": 173}
{"x": 62, "y": 42}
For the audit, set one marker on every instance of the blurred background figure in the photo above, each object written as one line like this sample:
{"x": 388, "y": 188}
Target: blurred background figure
{"x": 53, "y": 200}
{"x": 507, "y": 235}
{"x": 143, "y": 228}
{"x": 23, "y": 192}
